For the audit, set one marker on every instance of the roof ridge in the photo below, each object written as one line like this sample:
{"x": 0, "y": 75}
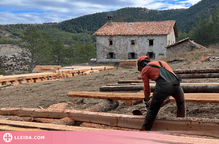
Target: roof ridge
{"x": 142, "y": 21}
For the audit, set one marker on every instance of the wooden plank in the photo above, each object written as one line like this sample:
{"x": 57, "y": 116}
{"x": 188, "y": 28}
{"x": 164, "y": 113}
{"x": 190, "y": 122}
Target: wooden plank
{"x": 201, "y": 75}
{"x": 26, "y": 76}
{"x": 33, "y": 126}
{"x": 189, "y": 97}
{"x": 128, "y": 63}
{"x": 182, "y": 84}
{"x": 187, "y": 88}
{"x": 194, "y": 80}
{"x": 14, "y": 128}
{"x": 192, "y": 71}
{"x": 106, "y": 95}
{"x": 48, "y": 66}
{"x": 199, "y": 126}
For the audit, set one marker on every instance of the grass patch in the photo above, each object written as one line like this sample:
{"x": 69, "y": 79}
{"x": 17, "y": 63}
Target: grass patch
{"x": 2, "y": 72}
{"x": 142, "y": 107}
{"x": 8, "y": 41}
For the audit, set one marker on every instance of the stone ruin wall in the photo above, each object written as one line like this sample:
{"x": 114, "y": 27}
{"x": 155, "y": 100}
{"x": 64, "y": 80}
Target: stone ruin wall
{"x": 182, "y": 47}
{"x": 10, "y": 60}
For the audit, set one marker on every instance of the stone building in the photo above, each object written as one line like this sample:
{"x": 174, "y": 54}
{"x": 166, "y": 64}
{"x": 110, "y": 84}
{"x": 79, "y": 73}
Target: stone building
{"x": 184, "y": 45}
{"x": 117, "y": 41}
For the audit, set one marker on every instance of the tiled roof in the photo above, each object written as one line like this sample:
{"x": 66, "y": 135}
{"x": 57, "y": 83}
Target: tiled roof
{"x": 138, "y": 28}
{"x": 187, "y": 39}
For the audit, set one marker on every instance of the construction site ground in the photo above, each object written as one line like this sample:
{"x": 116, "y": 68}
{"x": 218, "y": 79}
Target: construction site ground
{"x": 44, "y": 94}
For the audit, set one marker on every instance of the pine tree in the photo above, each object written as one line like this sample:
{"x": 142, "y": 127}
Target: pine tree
{"x": 216, "y": 26}
{"x": 58, "y": 52}
{"x": 33, "y": 47}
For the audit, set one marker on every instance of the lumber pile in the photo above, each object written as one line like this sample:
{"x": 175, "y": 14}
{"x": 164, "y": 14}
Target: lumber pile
{"x": 64, "y": 73}
{"x": 27, "y": 78}
{"x": 55, "y": 74}
{"x": 128, "y": 63}
{"x": 46, "y": 68}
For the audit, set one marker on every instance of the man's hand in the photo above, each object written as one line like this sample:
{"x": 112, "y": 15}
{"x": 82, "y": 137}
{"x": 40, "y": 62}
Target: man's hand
{"x": 147, "y": 102}
{"x": 146, "y": 96}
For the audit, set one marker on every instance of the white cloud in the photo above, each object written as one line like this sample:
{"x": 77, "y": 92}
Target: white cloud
{"x": 41, "y": 11}
{"x": 190, "y": 1}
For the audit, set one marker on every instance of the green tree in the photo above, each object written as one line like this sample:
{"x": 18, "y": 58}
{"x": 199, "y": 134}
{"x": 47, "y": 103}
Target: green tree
{"x": 216, "y": 26}
{"x": 34, "y": 47}
{"x": 71, "y": 54}
{"x": 58, "y": 52}
{"x": 46, "y": 46}
{"x": 181, "y": 35}
{"x": 90, "y": 51}
{"x": 202, "y": 33}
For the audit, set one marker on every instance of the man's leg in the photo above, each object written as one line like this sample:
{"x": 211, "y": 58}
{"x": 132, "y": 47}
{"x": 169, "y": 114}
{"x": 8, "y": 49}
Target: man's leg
{"x": 180, "y": 102}
{"x": 155, "y": 105}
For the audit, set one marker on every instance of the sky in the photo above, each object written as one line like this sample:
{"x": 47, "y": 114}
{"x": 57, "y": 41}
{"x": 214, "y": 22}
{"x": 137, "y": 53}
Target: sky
{"x": 45, "y": 11}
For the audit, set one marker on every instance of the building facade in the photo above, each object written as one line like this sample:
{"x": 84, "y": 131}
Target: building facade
{"x": 117, "y": 41}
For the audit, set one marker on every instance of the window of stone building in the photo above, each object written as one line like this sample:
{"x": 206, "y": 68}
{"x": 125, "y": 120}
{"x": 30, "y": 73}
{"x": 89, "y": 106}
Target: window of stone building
{"x": 151, "y": 42}
{"x": 132, "y": 42}
{"x": 111, "y": 55}
{"x": 110, "y": 42}
{"x": 132, "y": 55}
{"x": 151, "y": 55}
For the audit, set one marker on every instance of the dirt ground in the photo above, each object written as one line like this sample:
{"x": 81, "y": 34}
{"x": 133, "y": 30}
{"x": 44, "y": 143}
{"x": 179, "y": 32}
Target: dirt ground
{"x": 44, "y": 94}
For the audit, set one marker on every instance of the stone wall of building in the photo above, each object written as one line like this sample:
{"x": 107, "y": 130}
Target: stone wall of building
{"x": 121, "y": 46}
{"x": 181, "y": 47}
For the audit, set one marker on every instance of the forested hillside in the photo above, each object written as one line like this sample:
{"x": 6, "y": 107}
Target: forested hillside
{"x": 186, "y": 20}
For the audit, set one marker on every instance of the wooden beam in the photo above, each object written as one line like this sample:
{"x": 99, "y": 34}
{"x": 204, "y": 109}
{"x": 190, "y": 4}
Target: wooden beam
{"x": 14, "y": 128}
{"x": 201, "y": 75}
{"x": 184, "y": 81}
{"x": 208, "y": 127}
{"x": 192, "y": 71}
{"x": 187, "y": 88}
{"x": 33, "y": 126}
{"x": 106, "y": 95}
{"x": 189, "y": 97}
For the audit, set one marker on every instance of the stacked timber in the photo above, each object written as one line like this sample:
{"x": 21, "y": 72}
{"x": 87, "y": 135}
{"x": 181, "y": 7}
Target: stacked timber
{"x": 128, "y": 63}
{"x": 27, "y": 78}
{"x": 85, "y": 70}
{"x": 46, "y": 68}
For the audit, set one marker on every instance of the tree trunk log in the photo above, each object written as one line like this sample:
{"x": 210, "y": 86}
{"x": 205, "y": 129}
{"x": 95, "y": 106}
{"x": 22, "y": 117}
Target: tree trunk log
{"x": 106, "y": 105}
